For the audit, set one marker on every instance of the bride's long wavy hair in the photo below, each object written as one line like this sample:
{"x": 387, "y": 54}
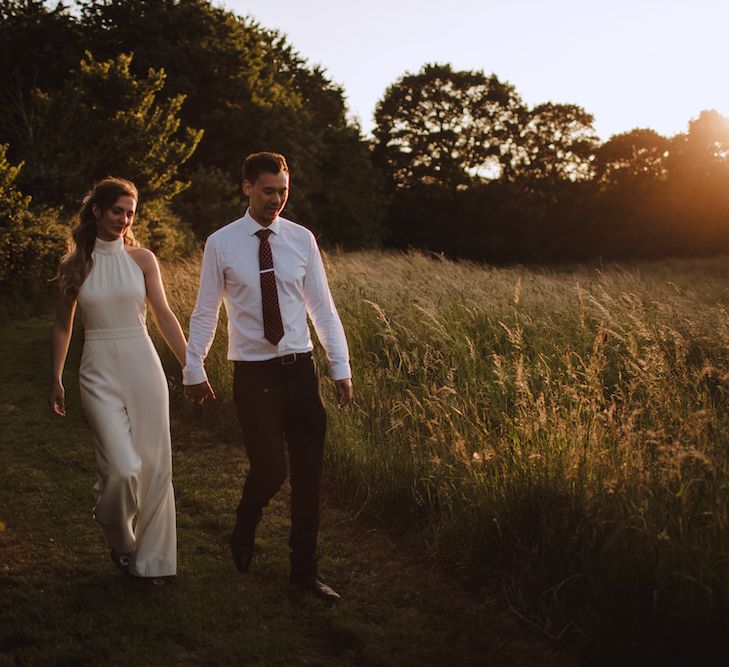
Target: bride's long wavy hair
{"x": 76, "y": 263}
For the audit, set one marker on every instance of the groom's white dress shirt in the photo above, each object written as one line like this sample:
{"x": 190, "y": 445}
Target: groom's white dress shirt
{"x": 230, "y": 273}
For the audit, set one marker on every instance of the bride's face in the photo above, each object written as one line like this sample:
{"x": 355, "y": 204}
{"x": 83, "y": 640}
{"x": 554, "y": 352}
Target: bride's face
{"x": 114, "y": 221}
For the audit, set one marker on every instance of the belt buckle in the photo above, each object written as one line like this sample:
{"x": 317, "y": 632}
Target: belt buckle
{"x": 288, "y": 359}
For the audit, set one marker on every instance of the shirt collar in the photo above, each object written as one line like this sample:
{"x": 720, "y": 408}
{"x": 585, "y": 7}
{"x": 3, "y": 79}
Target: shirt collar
{"x": 252, "y": 226}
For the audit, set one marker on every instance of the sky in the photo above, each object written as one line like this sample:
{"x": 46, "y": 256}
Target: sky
{"x": 630, "y": 63}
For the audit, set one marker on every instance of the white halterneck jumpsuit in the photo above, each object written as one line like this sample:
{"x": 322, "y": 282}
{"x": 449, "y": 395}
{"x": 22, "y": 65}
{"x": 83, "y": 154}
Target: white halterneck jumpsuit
{"x": 125, "y": 397}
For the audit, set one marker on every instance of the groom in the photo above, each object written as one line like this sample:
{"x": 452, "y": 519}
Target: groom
{"x": 269, "y": 272}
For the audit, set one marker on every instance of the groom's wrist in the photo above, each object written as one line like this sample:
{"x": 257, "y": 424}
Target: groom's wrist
{"x": 193, "y": 375}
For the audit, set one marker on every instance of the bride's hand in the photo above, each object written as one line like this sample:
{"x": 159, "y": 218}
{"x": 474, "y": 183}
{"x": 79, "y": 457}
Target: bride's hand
{"x": 199, "y": 393}
{"x": 57, "y": 399}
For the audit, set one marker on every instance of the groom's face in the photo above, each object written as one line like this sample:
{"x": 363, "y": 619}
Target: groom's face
{"x": 267, "y": 196}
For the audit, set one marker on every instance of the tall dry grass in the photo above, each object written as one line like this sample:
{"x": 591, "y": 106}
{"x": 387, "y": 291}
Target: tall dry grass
{"x": 564, "y": 429}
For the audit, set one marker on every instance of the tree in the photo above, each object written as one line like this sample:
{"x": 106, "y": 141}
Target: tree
{"x": 105, "y": 121}
{"x": 557, "y": 142}
{"x": 12, "y": 201}
{"x": 38, "y": 47}
{"x": 640, "y": 154}
{"x": 703, "y": 151}
{"x": 698, "y": 173}
{"x": 350, "y": 206}
{"x": 30, "y": 244}
{"x": 448, "y": 127}
{"x": 226, "y": 66}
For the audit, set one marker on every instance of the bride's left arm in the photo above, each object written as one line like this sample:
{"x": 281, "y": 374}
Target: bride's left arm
{"x": 167, "y": 322}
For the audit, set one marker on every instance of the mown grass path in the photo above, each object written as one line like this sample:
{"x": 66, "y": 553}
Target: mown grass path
{"x": 64, "y": 603}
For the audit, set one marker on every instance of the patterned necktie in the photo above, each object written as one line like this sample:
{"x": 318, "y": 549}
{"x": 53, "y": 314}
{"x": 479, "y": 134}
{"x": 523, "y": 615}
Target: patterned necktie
{"x": 273, "y": 330}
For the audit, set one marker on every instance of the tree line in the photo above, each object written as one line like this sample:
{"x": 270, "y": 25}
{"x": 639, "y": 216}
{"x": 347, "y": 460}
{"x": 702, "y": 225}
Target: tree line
{"x": 174, "y": 93}
{"x": 474, "y": 172}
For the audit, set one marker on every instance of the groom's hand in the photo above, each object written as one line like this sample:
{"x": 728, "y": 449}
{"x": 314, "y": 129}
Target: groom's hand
{"x": 199, "y": 393}
{"x": 344, "y": 392}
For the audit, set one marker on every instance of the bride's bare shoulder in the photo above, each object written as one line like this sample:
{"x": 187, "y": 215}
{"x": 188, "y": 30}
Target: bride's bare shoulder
{"x": 144, "y": 258}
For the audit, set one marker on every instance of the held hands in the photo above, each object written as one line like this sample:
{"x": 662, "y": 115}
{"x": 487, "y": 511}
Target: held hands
{"x": 345, "y": 392}
{"x": 57, "y": 399}
{"x": 199, "y": 393}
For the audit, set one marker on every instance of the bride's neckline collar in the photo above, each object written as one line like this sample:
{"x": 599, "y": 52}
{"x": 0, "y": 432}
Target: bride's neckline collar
{"x": 109, "y": 247}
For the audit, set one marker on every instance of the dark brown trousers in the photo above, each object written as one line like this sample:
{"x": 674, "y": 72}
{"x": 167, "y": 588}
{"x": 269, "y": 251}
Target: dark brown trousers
{"x": 279, "y": 407}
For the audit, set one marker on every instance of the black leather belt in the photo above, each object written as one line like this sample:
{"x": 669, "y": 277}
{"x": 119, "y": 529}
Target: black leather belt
{"x": 292, "y": 358}
{"x": 285, "y": 360}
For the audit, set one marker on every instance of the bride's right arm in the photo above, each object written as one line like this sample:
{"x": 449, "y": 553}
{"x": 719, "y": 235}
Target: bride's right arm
{"x": 60, "y": 340}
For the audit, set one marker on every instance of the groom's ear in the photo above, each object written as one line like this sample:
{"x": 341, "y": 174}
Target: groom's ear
{"x": 246, "y": 187}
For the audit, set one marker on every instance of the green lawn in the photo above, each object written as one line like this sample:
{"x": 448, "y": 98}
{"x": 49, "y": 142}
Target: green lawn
{"x": 63, "y": 602}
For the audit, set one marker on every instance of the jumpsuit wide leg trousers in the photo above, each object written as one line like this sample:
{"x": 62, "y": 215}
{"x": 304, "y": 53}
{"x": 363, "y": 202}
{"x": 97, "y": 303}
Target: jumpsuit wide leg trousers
{"x": 125, "y": 397}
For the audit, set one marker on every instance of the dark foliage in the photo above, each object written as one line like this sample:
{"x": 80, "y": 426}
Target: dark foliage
{"x": 249, "y": 90}
{"x": 187, "y": 64}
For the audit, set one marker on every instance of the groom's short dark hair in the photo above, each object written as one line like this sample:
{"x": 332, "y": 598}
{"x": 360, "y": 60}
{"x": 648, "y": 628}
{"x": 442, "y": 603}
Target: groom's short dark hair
{"x": 258, "y": 163}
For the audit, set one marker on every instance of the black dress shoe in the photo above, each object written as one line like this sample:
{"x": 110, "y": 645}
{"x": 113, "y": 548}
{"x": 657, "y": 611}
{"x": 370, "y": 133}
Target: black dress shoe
{"x": 242, "y": 557}
{"x": 121, "y": 560}
{"x": 241, "y": 548}
{"x": 318, "y": 588}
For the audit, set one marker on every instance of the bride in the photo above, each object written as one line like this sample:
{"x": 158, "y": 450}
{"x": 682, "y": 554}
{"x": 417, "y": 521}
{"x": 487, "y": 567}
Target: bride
{"x": 123, "y": 387}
